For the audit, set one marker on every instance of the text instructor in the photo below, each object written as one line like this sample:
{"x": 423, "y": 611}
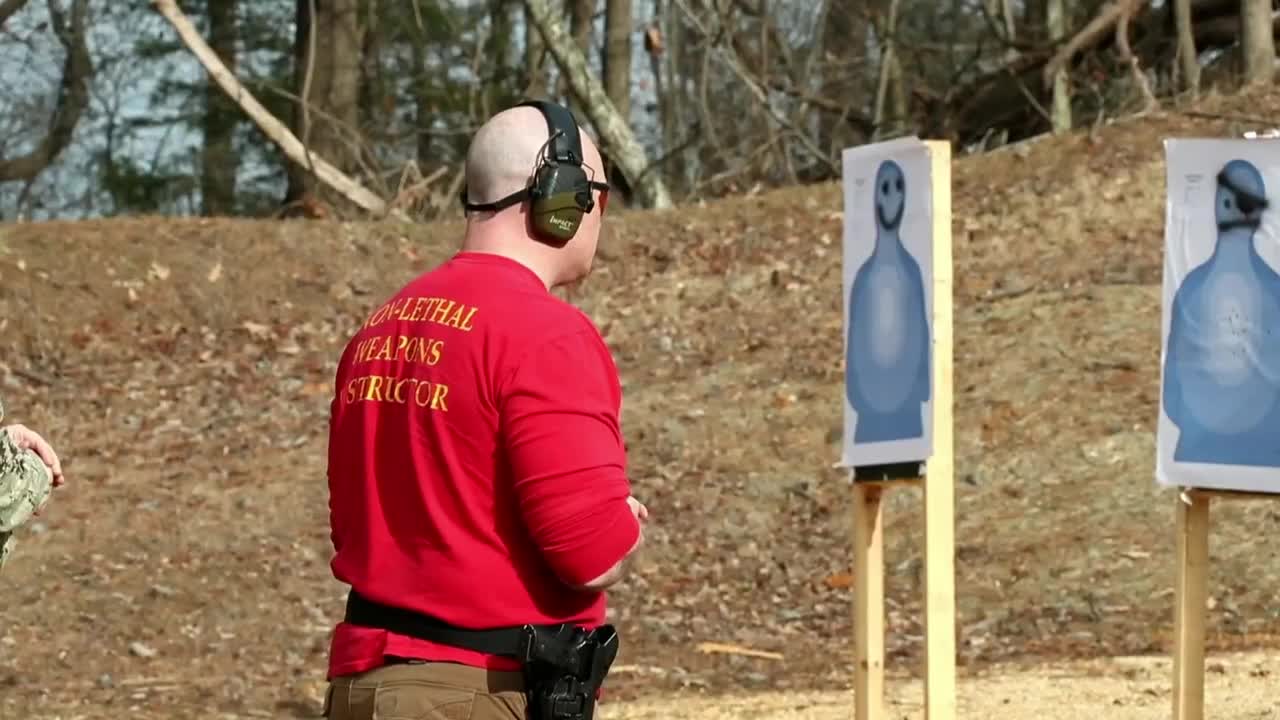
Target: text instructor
{"x": 477, "y": 472}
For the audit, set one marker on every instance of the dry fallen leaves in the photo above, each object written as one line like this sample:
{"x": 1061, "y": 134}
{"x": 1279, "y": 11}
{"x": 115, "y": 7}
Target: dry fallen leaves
{"x": 839, "y": 581}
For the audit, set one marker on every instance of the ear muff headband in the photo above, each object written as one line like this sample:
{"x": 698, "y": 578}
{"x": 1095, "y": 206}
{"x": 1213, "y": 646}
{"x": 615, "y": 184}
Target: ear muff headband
{"x": 560, "y": 192}
{"x": 562, "y": 128}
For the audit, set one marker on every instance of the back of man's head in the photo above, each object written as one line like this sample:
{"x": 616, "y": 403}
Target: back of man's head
{"x": 504, "y": 154}
{"x": 501, "y": 160}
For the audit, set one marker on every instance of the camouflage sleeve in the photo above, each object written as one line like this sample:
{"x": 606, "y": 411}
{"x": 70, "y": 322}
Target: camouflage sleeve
{"x": 25, "y": 484}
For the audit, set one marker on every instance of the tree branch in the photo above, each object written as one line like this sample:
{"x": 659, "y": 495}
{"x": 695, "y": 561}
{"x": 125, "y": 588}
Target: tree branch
{"x": 274, "y": 129}
{"x": 1127, "y": 56}
{"x": 73, "y": 94}
{"x": 8, "y": 8}
{"x": 1091, "y": 35}
{"x": 731, "y": 59}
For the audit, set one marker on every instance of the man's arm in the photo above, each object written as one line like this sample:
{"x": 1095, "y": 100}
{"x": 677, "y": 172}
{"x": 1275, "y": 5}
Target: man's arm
{"x": 562, "y": 436}
{"x": 27, "y": 476}
{"x": 623, "y": 566}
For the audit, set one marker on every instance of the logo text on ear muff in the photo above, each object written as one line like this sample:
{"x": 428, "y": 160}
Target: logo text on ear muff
{"x": 560, "y": 222}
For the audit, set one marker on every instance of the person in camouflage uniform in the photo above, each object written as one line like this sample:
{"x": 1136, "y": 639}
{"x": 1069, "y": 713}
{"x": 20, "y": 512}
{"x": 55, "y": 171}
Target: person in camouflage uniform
{"x": 29, "y": 470}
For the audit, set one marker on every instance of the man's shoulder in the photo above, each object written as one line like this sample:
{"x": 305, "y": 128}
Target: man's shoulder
{"x": 548, "y": 317}
{"x": 571, "y": 323}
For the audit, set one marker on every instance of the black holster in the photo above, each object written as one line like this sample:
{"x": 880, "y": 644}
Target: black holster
{"x": 564, "y": 667}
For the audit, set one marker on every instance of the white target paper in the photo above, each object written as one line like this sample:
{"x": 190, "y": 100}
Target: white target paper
{"x": 1219, "y": 421}
{"x": 888, "y": 303}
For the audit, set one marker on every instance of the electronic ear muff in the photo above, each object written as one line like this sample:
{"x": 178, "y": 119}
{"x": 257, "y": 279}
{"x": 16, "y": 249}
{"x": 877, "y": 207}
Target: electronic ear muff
{"x": 560, "y": 193}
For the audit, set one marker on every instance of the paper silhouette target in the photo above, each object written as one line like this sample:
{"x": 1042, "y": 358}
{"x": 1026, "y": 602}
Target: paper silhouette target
{"x": 888, "y": 300}
{"x": 1219, "y": 424}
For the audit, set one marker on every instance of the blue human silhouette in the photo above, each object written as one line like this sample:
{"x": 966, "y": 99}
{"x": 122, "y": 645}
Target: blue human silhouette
{"x": 887, "y": 365}
{"x": 1222, "y": 363}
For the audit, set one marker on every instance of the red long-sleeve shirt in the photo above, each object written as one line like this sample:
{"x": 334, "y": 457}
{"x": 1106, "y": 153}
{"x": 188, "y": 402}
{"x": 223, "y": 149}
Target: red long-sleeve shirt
{"x": 476, "y": 464}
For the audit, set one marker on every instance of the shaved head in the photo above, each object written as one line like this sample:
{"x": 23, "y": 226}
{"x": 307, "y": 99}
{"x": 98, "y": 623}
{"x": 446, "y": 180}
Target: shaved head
{"x": 505, "y": 151}
{"x": 500, "y": 162}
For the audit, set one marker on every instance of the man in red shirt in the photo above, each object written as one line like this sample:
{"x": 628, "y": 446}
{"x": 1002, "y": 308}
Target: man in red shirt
{"x": 477, "y": 473}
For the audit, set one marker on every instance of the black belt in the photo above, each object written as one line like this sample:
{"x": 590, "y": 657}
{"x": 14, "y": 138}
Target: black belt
{"x": 497, "y": 641}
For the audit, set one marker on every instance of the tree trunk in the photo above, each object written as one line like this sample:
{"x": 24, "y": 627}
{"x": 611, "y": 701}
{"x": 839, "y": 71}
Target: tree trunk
{"x": 580, "y": 13}
{"x": 899, "y": 108}
{"x": 670, "y": 72}
{"x": 1001, "y": 12}
{"x": 616, "y": 62}
{"x": 1033, "y": 20}
{"x": 219, "y": 160}
{"x": 497, "y": 93}
{"x": 662, "y": 43}
{"x": 1010, "y": 24}
{"x": 423, "y": 111}
{"x": 535, "y": 81}
{"x": 844, "y": 43}
{"x": 72, "y": 97}
{"x": 327, "y": 119}
{"x": 617, "y": 55}
{"x": 1257, "y": 43}
{"x": 293, "y": 148}
{"x": 614, "y": 132}
{"x": 888, "y": 59}
{"x": 1188, "y": 57}
{"x": 1056, "y": 24}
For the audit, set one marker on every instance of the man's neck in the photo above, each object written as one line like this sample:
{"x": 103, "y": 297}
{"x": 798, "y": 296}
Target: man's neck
{"x": 530, "y": 257}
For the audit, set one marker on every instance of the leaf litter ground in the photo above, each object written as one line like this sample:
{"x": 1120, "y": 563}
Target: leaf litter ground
{"x": 184, "y": 367}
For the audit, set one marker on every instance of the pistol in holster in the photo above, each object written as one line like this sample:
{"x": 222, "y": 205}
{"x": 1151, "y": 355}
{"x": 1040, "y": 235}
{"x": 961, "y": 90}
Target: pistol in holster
{"x": 564, "y": 668}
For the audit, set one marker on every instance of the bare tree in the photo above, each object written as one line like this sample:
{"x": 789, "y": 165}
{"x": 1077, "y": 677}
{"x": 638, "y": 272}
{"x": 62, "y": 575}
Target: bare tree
{"x": 9, "y": 8}
{"x": 1188, "y": 58}
{"x": 218, "y": 156}
{"x": 580, "y": 16}
{"x": 844, "y": 77}
{"x": 326, "y": 118}
{"x": 616, "y": 62}
{"x": 1056, "y": 20}
{"x": 890, "y": 80}
{"x": 272, "y": 127}
{"x": 617, "y": 55}
{"x": 73, "y": 91}
{"x": 1002, "y": 10}
{"x": 535, "y": 51}
{"x": 615, "y": 132}
{"x": 1257, "y": 42}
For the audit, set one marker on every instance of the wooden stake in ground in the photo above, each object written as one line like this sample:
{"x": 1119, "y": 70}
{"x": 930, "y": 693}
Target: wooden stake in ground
{"x": 868, "y": 602}
{"x": 1190, "y": 598}
{"x": 939, "y": 486}
{"x": 274, "y": 129}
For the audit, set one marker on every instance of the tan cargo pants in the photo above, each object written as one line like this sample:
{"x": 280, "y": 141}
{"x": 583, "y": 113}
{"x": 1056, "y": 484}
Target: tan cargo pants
{"x": 427, "y": 691}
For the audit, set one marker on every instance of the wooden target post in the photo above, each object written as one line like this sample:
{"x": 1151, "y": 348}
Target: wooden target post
{"x": 1191, "y": 596}
{"x": 870, "y": 483}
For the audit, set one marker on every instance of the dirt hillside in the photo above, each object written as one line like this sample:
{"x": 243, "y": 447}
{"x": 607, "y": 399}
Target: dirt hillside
{"x": 183, "y": 368}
